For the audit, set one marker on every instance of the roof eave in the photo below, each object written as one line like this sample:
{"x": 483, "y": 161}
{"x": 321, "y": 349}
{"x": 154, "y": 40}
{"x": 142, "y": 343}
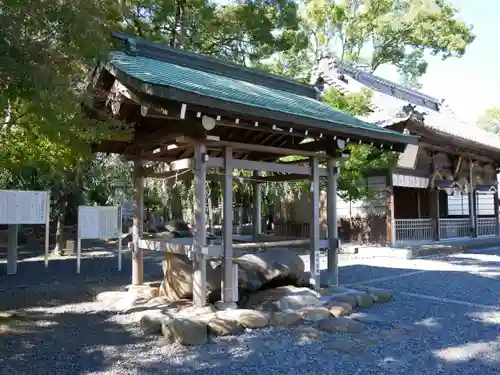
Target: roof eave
{"x": 215, "y": 65}
{"x": 235, "y": 107}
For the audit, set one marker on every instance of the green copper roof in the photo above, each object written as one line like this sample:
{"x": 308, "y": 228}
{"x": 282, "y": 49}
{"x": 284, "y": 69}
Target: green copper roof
{"x": 163, "y": 75}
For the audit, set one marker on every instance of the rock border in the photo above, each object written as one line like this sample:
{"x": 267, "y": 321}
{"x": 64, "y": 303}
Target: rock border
{"x": 333, "y": 309}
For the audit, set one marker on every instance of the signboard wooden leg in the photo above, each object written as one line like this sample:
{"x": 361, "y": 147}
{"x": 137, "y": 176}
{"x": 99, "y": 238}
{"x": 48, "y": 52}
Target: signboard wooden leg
{"x": 120, "y": 230}
{"x": 119, "y": 252}
{"x": 78, "y": 254}
{"x": 47, "y": 231}
{"x": 12, "y": 250}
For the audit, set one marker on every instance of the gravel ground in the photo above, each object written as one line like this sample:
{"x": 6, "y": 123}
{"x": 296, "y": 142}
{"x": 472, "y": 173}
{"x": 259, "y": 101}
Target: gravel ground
{"x": 61, "y": 331}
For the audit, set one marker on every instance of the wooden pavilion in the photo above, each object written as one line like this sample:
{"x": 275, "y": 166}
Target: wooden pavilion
{"x": 191, "y": 112}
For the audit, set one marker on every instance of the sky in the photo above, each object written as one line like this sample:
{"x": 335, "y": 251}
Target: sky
{"x": 471, "y": 84}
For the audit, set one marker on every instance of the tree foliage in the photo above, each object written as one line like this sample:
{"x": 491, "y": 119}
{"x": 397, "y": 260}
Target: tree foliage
{"x": 242, "y": 31}
{"x": 373, "y": 33}
{"x": 47, "y": 48}
{"x": 490, "y": 120}
{"x": 363, "y": 158}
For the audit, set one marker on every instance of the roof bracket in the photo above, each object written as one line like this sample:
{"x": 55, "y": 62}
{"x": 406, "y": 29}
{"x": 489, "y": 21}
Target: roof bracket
{"x": 130, "y": 46}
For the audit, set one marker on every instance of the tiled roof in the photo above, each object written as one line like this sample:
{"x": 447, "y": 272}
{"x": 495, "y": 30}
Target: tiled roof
{"x": 390, "y": 98}
{"x": 164, "y": 74}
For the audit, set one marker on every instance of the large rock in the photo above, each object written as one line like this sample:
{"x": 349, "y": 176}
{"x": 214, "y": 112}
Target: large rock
{"x": 274, "y": 267}
{"x": 283, "y": 298}
{"x": 145, "y": 291}
{"x": 220, "y": 326}
{"x": 178, "y": 277}
{"x": 185, "y": 331}
{"x": 247, "y": 318}
{"x": 339, "y": 309}
{"x": 313, "y": 314}
{"x": 343, "y": 298}
{"x": 285, "y": 318}
{"x": 363, "y": 300}
{"x": 178, "y": 228}
{"x": 194, "y": 311}
{"x": 152, "y": 323}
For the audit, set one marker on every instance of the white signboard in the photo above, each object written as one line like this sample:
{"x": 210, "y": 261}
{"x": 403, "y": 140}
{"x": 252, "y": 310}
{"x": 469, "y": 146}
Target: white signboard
{"x": 99, "y": 222}
{"x": 23, "y": 207}
{"x": 410, "y": 181}
{"x": 408, "y": 158}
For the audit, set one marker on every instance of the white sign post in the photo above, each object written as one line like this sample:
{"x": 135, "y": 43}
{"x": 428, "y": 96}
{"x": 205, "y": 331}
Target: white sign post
{"x": 24, "y": 207}
{"x": 99, "y": 222}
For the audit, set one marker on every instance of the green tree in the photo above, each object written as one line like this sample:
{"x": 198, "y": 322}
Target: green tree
{"x": 240, "y": 31}
{"x": 490, "y": 120}
{"x": 373, "y": 33}
{"x": 47, "y": 49}
{"x": 362, "y": 158}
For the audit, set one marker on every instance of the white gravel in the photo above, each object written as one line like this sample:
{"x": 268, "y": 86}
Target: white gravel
{"x": 59, "y": 336}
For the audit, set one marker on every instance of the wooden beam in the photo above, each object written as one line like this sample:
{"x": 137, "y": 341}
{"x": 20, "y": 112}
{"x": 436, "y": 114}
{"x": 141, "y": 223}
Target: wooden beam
{"x": 215, "y": 162}
{"x": 167, "y": 134}
{"x": 160, "y": 152}
{"x": 283, "y": 177}
{"x": 265, "y": 149}
{"x": 154, "y": 112}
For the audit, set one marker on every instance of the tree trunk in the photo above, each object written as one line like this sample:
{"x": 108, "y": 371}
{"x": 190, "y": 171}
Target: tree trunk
{"x": 177, "y": 36}
{"x": 60, "y": 241}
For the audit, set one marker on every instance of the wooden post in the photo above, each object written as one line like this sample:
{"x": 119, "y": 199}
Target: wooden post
{"x": 497, "y": 213}
{"x": 47, "y": 231}
{"x": 239, "y": 226}
{"x": 227, "y": 276}
{"x": 200, "y": 239}
{"x": 257, "y": 208}
{"x": 472, "y": 201}
{"x": 390, "y": 222}
{"x": 333, "y": 236}
{"x": 137, "y": 224}
{"x": 12, "y": 249}
{"x": 210, "y": 214}
{"x": 314, "y": 255}
{"x": 474, "y": 217}
{"x": 419, "y": 211}
{"x": 434, "y": 211}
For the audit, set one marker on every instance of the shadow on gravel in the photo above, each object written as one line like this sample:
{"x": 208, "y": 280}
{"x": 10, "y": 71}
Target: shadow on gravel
{"x": 415, "y": 333}
{"x": 68, "y": 343}
{"x": 33, "y": 285}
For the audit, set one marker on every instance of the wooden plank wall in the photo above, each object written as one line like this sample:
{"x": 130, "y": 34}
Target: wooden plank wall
{"x": 356, "y": 218}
